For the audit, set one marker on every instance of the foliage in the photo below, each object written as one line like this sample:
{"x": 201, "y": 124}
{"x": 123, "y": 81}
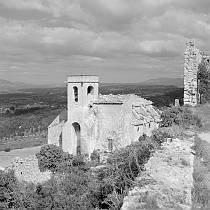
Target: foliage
{"x": 69, "y": 193}
{"x": 53, "y": 158}
{"x": 8, "y": 184}
{"x": 30, "y": 123}
{"x": 7, "y": 149}
{"x": 203, "y": 78}
{"x": 202, "y": 111}
{"x": 76, "y": 186}
{"x": 201, "y": 188}
{"x": 181, "y": 116}
{"x": 123, "y": 166}
{"x": 107, "y": 186}
{"x": 159, "y": 136}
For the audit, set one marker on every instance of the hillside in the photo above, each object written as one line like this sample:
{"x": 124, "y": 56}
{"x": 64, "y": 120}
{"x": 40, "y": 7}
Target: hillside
{"x": 177, "y": 82}
{"x": 9, "y": 87}
{"x": 19, "y": 87}
{"x": 14, "y": 87}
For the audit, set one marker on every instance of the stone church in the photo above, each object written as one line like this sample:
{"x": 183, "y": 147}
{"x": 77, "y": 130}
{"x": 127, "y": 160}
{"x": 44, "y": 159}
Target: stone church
{"x": 100, "y": 122}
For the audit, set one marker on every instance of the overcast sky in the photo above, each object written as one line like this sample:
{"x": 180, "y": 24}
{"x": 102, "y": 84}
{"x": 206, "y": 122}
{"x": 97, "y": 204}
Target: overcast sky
{"x": 43, "y": 41}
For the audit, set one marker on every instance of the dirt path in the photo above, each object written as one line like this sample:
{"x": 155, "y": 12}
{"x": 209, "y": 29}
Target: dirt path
{"x": 167, "y": 181}
{"x": 7, "y": 157}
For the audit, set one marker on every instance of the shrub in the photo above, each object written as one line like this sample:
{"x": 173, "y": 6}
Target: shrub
{"x": 70, "y": 192}
{"x": 181, "y": 116}
{"x": 7, "y": 149}
{"x": 95, "y": 156}
{"x": 160, "y": 135}
{"x": 143, "y": 138}
{"x": 123, "y": 166}
{"x": 7, "y": 189}
{"x": 52, "y": 157}
{"x": 169, "y": 116}
{"x": 203, "y": 78}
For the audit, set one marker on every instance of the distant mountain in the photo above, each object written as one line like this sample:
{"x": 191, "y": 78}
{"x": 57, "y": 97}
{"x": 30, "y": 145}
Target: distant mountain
{"x": 164, "y": 81}
{"x": 178, "y": 82}
{"x": 9, "y": 87}
{"x": 14, "y": 87}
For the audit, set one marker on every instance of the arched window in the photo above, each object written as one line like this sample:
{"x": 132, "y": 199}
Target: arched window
{"x": 75, "y": 93}
{"x": 90, "y": 90}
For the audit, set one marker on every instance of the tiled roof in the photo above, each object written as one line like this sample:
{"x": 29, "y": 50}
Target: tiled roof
{"x": 142, "y": 109}
{"x": 109, "y": 99}
{"x": 63, "y": 116}
{"x": 144, "y": 114}
{"x": 119, "y": 99}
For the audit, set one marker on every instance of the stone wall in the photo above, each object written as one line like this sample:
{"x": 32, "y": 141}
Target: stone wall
{"x": 27, "y": 170}
{"x": 192, "y": 59}
{"x": 54, "y": 131}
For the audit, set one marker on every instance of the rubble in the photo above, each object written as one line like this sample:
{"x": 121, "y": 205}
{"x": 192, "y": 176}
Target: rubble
{"x": 166, "y": 184}
{"x": 27, "y": 170}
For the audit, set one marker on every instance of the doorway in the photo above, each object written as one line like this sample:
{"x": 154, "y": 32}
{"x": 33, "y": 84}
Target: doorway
{"x": 77, "y": 130}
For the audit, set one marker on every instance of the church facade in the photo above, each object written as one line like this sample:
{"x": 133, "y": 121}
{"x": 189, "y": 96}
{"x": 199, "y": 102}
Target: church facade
{"x": 100, "y": 122}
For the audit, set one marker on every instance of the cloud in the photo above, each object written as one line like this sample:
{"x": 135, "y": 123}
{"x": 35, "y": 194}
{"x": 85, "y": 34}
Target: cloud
{"x": 160, "y": 48}
{"x": 90, "y": 33}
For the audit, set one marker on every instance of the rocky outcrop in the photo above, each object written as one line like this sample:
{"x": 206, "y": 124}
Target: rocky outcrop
{"x": 166, "y": 184}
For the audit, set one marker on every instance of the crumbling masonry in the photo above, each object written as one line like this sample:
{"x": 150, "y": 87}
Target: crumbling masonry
{"x": 192, "y": 58}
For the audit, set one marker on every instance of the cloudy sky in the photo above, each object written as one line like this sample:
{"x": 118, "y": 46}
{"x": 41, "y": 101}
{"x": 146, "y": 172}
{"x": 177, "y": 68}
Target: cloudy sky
{"x": 43, "y": 41}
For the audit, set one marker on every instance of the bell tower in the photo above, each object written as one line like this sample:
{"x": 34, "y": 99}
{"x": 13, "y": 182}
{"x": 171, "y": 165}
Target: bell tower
{"x": 82, "y": 90}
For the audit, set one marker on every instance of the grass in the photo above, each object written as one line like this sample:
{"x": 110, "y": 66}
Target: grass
{"x": 201, "y": 174}
{"x": 203, "y": 112}
{"x": 23, "y": 142}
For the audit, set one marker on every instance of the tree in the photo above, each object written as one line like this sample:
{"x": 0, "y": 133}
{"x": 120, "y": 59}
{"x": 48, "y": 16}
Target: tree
{"x": 8, "y": 184}
{"x": 203, "y": 80}
{"x": 51, "y": 157}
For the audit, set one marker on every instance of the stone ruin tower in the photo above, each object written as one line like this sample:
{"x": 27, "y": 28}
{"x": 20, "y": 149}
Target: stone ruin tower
{"x": 192, "y": 59}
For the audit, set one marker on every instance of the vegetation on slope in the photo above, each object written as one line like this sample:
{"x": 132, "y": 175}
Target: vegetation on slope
{"x": 203, "y": 82}
{"x": 201, "y": 190}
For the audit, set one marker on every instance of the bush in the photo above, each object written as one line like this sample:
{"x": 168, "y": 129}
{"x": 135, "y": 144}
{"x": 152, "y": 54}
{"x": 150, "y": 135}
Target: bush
{"x": 8, "y": 185}
{"x": 181, "y": 116}
{"x": 52, "y": 157}
{"x": 203, "y": 84}
{"x": 143, "y": 138}
{"x": 7, "y": 149}
{"x": 159, "y": 136}
{"x": 123, "y": 166}
{"x": 73, "y": 185}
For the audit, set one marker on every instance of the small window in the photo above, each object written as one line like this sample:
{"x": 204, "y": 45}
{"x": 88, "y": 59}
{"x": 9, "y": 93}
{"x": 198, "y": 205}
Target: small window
{"x": 60, "y": 140}
{"x": 90, "y": 90}
{"x": 75, "y": 93}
